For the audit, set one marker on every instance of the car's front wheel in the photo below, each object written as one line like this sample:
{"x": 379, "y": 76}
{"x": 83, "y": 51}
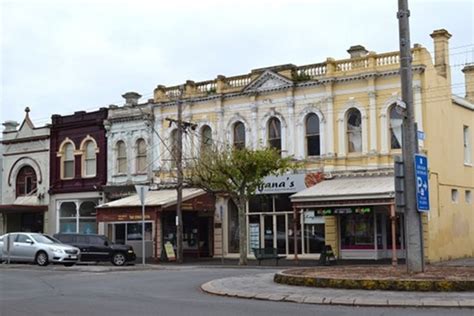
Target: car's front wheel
{"x": 119, "y": 259}
{"x": 41, "y": 259}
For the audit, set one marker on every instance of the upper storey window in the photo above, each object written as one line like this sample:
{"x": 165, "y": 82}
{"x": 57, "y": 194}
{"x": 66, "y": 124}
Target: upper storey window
{"x": 274, "y": 133}
{"x": 354, "y": 131}
{"x": 26, "y": 181}
{"x": 121, "y": 157}
{"x": 206, "y": 138}
{"x": 396, "y": 121}
{"x": 313, "y": 147}
{"x": 141, "y": 156}
{"x": 90, "y": 161}
{"x": 239, "y": 135}
{"x": 68, "y": 161}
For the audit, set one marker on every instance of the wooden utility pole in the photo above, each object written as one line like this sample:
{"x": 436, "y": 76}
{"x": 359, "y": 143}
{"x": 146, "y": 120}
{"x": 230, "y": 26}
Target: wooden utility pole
{"x": 413, "y": 226}
{"x": 179, "y": 181}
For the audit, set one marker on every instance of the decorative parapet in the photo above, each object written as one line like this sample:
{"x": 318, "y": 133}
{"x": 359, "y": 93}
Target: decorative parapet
{"x": 331, "y": 68}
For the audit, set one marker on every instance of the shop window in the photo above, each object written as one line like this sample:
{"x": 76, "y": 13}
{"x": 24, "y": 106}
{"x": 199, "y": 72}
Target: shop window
{"x": 467, "y": 145}
{"x": 396, "y": 121}
{"x": 233, "y": 228}
{"x": 134, "y": 231}
{"x": 121, "y": 157}
{"x": 90, "y": 161}
{"x": 68, "y": 217}
{"x": 68, "y": 161}
{"x": 274, "y": 133}
{"x": 454, "y": 195}
{"x": 239, "y": 135}
{"x": 87, "y": 220}
{"x": 354, "y": 131}
{"x": 206, "y": 139}
{"x": 313, "y": 146}
{"x": 26, "y": 181}
{"x": 261, "y": 203}
{"x": 357, "y": 231}
{"x": 468, "y": 196}
{"x": 141, "y": 156}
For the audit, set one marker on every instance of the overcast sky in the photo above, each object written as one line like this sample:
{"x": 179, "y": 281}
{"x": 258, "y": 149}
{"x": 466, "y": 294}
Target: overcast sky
{"x": 61, "y": 56}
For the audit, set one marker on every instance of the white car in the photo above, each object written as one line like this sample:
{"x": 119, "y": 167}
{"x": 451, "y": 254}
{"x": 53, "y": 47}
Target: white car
{"x": 38, "y": 248}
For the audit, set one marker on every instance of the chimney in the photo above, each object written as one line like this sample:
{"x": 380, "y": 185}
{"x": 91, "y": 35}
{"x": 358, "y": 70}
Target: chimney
{"x": 441, "y": 54}
{"x": 469, "y": 81}
{"x": 131, "y": 98}
{"x": 10, "y": 126}
{"x": 357, "y": 51}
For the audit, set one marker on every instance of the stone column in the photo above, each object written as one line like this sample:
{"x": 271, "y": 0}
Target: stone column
{"x": 291, "y": 128}
{"x": 329, "y": 128}
{"x": 341, "y": 137}
{"x": 384, "y": 133}
{"x": 254, "y": 128}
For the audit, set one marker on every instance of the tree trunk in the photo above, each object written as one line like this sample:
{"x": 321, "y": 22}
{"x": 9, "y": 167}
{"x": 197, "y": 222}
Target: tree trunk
{"x": 242, "y": 206}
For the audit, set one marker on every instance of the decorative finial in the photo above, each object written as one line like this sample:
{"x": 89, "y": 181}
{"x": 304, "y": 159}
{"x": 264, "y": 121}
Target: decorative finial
{"x": 27, "y": 110}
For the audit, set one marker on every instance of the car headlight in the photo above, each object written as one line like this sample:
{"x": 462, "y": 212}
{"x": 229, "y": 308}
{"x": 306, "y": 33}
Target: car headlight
{"x": 56, "y": 250}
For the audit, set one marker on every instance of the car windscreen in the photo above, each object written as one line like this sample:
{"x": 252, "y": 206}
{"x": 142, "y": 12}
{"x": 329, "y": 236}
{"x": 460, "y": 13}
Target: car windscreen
{"x": 44, "y": 239}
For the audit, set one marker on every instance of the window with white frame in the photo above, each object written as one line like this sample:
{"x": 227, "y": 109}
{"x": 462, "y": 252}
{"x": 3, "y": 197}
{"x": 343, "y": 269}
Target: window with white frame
{"x": 468, "y": 196}
{"x": 467, "y": 145}
{"x": 454, "y": 195}
{"x": 396, "y": 121}
{"x": 354, "y": 131}
{"x": 274, "y": 133}
{"x": 86, "y": 219}
{"x": 206, "y": 138}
{"x": 313, "y": 142}
{"x": 121, "y": 157}
{"x": 141, "y": 156}
{"x": 90, "y": 161}
{"x": 68, "y": 161}
{"x": 239, "y": 135}
{"x": 82, "y": 220}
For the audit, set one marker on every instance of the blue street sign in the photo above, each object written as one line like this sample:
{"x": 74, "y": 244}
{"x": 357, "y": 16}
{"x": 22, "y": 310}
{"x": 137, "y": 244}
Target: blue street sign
{"x": 422, "y": 189}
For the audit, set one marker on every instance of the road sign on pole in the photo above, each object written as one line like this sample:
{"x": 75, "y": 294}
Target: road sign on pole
{"x": 141, "y": 190}
{"x": 422, "y": 187}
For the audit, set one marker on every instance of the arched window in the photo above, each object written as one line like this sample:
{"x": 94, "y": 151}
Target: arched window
{"x": 141, "y": 156}
{"x": 174, "y": 147}
{"x": 396, "y": 120}
{"x": 313, "y": 147}
{"x": 90, "y": 161}
{"x": 354, "y": 131}
{"x": 239, "y": 135}
{"x": 68, "y": 161}
{"x": 206, "y": 138}
{"x": 274, "y": 133}
{"x": 26, "y": 181}
{"x": 87, "y": 218}
{"x": 121, "y": 157}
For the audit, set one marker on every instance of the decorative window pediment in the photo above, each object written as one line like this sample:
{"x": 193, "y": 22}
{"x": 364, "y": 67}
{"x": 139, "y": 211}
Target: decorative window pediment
{"x": 268, "y": 81}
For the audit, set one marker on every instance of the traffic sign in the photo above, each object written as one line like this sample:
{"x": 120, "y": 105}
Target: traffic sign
{"x": 422, "y": 188}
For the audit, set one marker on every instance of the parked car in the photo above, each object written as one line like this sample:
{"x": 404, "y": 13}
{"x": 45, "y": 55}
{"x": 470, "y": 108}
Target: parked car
{"x": 38, "y": 248}
{"x": 98, "y": 248}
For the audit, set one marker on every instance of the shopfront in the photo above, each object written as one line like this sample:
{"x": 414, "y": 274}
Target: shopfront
{"x": 121, "y": 221}
{"x": 364, "y": 224}
{"x": 270, "y": 220}
{"x": 22, "y": 218}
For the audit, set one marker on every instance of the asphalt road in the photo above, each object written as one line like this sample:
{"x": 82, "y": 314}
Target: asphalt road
{"x": 28, "y": 290}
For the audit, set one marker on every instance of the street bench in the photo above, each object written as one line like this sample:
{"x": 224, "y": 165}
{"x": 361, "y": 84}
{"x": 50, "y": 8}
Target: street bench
{"x": 267, "y": 253}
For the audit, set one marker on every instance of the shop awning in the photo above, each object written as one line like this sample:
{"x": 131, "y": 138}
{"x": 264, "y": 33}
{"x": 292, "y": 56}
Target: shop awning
{"x": 24, "y": 204}
{"x": 347, "y": 189}
{"x": 160, "y": 198}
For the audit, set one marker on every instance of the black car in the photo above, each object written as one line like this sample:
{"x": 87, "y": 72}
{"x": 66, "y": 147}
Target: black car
{"x": 98, "y": 248}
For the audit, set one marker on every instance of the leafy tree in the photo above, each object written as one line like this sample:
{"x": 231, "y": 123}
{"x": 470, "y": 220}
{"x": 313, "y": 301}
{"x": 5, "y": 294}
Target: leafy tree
{"x": 236, "y": 173}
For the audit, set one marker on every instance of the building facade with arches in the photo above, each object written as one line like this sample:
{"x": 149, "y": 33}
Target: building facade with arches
{"x": 25, "y": 178}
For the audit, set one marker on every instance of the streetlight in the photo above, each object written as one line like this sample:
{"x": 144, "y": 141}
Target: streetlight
{"x": 141, "y": 190}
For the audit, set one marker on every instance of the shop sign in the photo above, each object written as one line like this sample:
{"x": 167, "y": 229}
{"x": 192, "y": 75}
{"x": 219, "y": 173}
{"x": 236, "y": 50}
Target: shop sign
{"x": 170, "y": 251}
{"x": 310, "y": 217}
{"x": 282, "y": 184}
{"x": 344, "y": 210}
{"x": 130, "y": 217}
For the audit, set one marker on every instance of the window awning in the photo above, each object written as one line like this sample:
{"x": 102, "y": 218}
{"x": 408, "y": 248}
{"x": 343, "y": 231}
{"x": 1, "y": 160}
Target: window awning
{"x": 347, "y": 189}
{"x": 160, "y": 198}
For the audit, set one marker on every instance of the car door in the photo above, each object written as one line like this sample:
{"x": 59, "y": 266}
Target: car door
{"x": 24, "y": 248}
{"x": 100, "y": 248}
{"x": 82, "y": 242}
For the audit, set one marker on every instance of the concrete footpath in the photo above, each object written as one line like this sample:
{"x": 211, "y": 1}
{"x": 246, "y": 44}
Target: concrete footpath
{"x": 262, "y": 287}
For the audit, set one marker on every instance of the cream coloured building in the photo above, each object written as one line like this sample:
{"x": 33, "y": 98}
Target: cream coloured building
{"x": 340, "y": 118}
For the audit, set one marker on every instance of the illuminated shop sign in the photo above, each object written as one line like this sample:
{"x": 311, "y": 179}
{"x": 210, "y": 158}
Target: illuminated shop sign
{"x": 344, "y": 210}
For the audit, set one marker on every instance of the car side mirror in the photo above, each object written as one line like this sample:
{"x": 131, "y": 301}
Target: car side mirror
{"x": 106, "y": 243}
{"x": 31, "y": 242}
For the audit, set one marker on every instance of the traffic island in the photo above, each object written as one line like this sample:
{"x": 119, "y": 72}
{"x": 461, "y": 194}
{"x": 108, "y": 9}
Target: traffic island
{"x": 387, "y": 278}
